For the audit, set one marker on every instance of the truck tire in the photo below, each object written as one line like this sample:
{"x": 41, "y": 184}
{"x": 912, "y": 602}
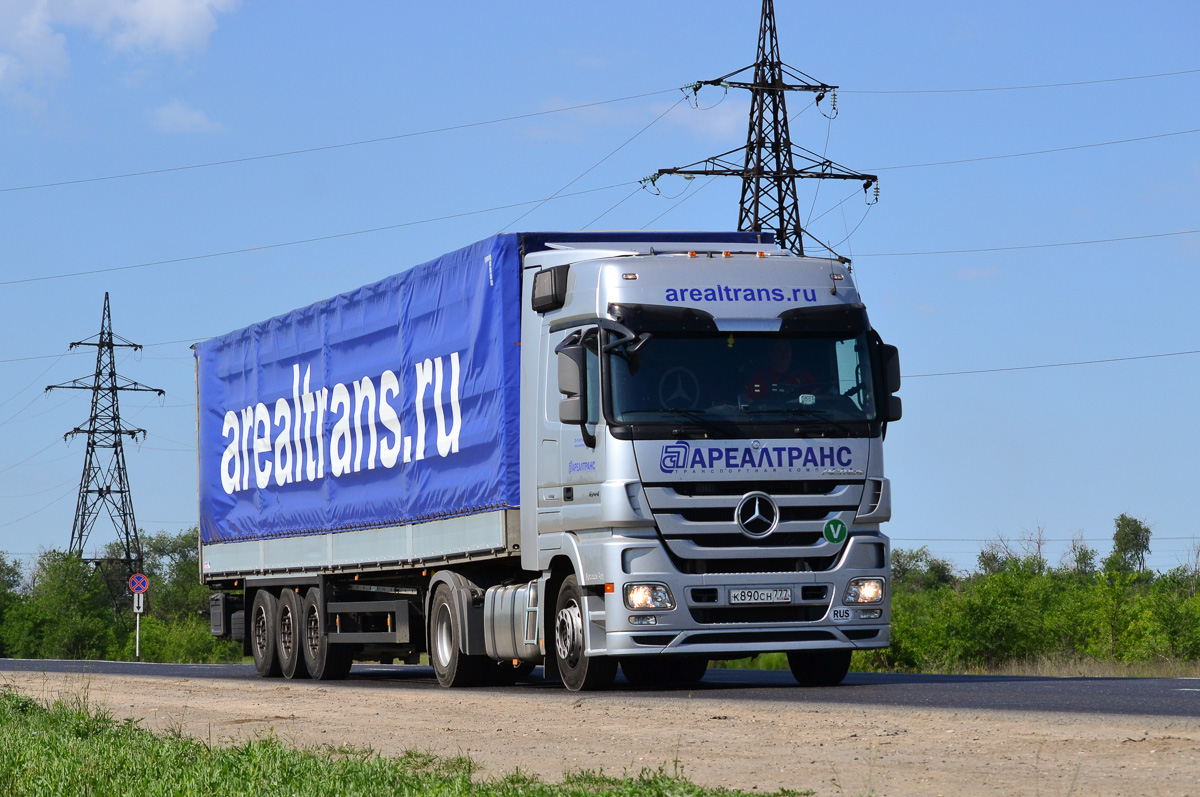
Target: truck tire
{"x": 262, "y": 634}
{"x": 289, "y": 635}
{"x": 325, "y": 662}
{"x": 579, "y": 672}
{"x": 664, "y": 670}
{"x": 819, "y": 667}
{"x": 451, "y": 666}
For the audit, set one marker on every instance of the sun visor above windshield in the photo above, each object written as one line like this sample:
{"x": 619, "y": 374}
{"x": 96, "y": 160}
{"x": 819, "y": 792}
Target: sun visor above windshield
{"x": 660, "y": 318}
{"x": 840, "y": 319}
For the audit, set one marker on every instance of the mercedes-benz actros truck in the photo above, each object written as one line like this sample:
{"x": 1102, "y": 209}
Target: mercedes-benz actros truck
{"x": 578, "y": 450}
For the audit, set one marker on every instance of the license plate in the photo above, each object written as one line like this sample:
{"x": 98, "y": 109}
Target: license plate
{"x": 761, "y": 595}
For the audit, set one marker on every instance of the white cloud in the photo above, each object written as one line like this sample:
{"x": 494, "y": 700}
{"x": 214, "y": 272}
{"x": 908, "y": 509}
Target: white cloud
{"x": 33, "y": 40}
{"x": 719, "y": 120}
{"x": 179, "y": 117}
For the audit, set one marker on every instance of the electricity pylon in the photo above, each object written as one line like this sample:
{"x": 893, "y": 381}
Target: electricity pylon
{"x": 768, "y": 165}
{"x": 104, "y": 486}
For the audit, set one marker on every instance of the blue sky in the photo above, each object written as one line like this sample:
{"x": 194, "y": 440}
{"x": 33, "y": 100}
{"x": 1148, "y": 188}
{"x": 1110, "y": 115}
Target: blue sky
{"x": 113, "y": 87}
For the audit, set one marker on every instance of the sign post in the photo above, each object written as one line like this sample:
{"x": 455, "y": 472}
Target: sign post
{"x": 138, "y": 584}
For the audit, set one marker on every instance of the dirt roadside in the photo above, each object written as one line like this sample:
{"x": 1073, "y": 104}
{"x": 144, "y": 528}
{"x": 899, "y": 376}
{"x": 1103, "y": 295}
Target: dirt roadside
{"x": 712, "y": 740}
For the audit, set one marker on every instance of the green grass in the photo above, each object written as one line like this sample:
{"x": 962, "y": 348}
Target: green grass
{"x": 72, "y": 748}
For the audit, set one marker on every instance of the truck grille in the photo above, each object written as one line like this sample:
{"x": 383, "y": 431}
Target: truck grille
{"x": 697, "y": 522}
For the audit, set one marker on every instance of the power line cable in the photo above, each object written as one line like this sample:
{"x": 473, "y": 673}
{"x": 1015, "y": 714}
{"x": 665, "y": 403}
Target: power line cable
{"x": 41, "y": 357}
{"x": 1027, "y": 246}
{"x": 1021, "y": 88}
{"x": 329, "y": 147}
{"x": 37, "y": 378}
{"x": 683, "y": 198}
{"x": 1057, "y": 365}
{"x": 39, "y": 510}
{"x": 620, "y": 202}
{"x": 31, "y": 456}
{"x": 42, "y": 492}
{"x": 584, "y": 173}
{"x": 1037, "y": 151}
{"x": 335, "y": 236}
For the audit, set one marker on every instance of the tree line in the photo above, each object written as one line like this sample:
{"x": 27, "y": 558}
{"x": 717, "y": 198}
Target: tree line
{"x": 1015, "y": 606}
{"x": 1018, "y": 607}
{"x": 63, "y": 607}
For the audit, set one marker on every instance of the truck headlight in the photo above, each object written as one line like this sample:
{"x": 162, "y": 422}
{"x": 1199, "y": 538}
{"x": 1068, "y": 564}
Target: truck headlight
{"x": 864, "y": 590}
{"x": 648, "y": 596}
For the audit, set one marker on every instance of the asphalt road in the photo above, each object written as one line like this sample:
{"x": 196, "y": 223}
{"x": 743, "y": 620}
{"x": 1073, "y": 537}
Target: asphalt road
{"x": 1162, "y": 697}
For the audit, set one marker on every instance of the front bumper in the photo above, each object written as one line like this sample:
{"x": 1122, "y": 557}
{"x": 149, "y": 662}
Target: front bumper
{"x": 706, "y": 622}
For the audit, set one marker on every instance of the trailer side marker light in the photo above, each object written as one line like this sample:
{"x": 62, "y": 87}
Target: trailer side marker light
{"x": 389, "y": 619}
{"x": 762, "y": 254}
{"x": 629, "y": 276}
{"x": 724, "y": 254}
{"x": 516, "y": 662}
{"x": 356, "y": 578}
{"x": 608, "y": 589}
{"x": 691, "y": 254}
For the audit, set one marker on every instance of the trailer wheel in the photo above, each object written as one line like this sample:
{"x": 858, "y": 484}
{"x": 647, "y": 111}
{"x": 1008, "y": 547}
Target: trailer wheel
{"x": 324, "y": 661}
{"x": 819, "y": 667}
{"x": 450, "y": 664}
{"x": 262, "y": 634}
{"x": 579, "y": 672}
{"x": 289, "y": 635}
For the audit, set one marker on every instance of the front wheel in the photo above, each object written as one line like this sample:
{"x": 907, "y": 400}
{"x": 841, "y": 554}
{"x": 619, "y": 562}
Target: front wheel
{"x": 819, "y": 667}
{"x": 451, "y": 666}
{"x": 578, "y": 671}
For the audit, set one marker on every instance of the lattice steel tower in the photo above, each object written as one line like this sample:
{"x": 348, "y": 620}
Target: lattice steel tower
{"x": 104, "y": 486}
{"x": 769, "y": 167}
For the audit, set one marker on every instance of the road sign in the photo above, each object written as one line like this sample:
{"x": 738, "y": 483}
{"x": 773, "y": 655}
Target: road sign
{"x": 138, "y": 602}
{"x": 138, "y": 583}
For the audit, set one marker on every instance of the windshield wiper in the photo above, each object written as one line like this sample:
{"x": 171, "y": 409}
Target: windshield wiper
{"x": 694, "y": 416}
{"x": 823, "y": 415}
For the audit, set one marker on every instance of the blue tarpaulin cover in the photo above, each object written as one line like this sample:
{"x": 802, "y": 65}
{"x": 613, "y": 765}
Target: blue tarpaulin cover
{"x": 394, "y": 403}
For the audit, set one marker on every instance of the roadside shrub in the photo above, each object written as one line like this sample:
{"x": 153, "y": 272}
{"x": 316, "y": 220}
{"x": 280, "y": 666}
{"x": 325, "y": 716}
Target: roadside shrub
{"x": 184, "y": 641}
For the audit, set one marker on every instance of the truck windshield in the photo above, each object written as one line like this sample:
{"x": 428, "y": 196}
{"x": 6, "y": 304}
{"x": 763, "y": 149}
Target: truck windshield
{"x": 744, "y": 377}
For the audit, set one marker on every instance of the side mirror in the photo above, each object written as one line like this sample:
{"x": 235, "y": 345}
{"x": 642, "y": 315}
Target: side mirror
{"x": 891, "y": 367}
{"x": 895, "y": 408}
{"x": 571, "y": 362}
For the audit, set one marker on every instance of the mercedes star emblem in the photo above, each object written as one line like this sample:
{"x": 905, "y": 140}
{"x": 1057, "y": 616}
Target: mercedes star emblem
{"x": 757, "y": 514}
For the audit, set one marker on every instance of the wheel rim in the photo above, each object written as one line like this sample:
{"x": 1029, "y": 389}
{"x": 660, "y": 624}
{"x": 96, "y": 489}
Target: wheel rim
{"x": 260, "y": 632}
{"x": 312, "y": 632}
{"x": 286, "y": 630}
{"x": 443, "y": 634}
{"x": 568, "y": 633}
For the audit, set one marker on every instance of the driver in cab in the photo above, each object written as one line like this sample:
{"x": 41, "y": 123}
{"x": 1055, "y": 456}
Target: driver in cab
{"x": 779, "y": 379}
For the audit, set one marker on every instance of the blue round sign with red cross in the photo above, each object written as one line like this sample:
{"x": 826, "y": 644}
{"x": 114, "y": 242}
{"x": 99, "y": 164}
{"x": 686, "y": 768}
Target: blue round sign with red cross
{"x": 138, "y": 583}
